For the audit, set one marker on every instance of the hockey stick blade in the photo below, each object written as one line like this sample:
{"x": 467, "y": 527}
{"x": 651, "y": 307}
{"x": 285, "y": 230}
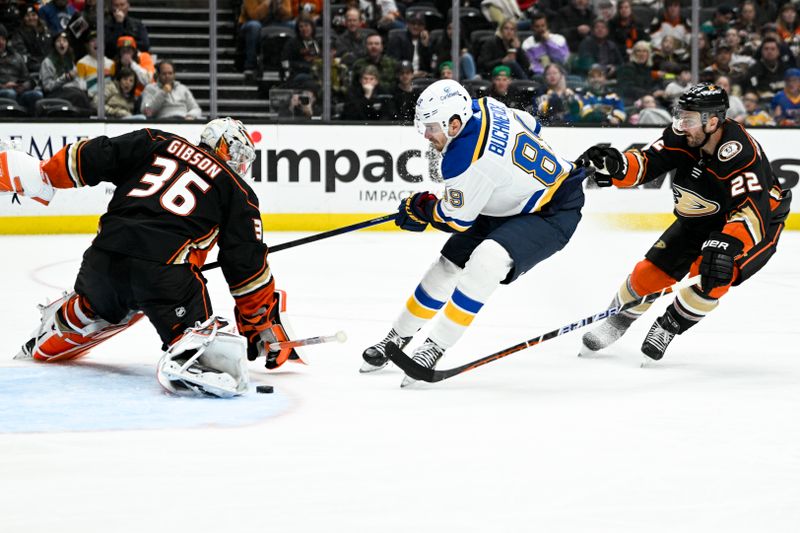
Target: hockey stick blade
{"x": 421, "y": 373}
{"x": 339, "y": 336}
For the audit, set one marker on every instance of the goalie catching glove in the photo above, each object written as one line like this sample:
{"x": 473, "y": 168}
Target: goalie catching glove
{"x": 264, "y": 328}
{"x": 718, "y": 263}
{"x": 608, "y": 162}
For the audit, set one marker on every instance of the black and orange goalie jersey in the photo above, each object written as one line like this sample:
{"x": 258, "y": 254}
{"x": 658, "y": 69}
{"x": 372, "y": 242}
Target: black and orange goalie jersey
{"x": 173, "y": 202}
{"x": 732, "y": 190}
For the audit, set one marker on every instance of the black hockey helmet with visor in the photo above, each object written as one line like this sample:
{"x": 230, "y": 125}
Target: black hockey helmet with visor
{"x": 698, "y": 104}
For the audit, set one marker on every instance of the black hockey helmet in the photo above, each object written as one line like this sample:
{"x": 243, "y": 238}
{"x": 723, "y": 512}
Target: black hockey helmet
{"x": 708, "y": 99}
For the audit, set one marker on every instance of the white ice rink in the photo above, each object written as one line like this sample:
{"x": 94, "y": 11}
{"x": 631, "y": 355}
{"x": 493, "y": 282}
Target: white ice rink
{"x": 706, "y": 441}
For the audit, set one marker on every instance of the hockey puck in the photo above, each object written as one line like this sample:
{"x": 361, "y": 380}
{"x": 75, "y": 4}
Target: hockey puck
{"x": 265, "y": 389}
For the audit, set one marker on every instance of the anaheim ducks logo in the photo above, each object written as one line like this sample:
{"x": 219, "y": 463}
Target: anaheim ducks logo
{"x": 690, "y": 204}
{"x": 729, "y": 150}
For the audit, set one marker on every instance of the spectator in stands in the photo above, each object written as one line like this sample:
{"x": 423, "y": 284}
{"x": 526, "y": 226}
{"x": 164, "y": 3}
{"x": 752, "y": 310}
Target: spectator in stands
{"x": 59, "y": 76}
{"x": 669, "y": 62}
{"x": 756, "y": 115}
{"x": 56, "y": 15}
{"x": 705, "y": 52}
{"x": 252, "y": 16}
{"x": 87, "y": 66}
{"x": 767, "y": 11}
{"x": 770, "y": 30}
{"x": 788, "y": 27}
{"x": 15, "y": 81}
{"x": 677, "y": 87}
{"x": 650, "y": 113}
{"x": 606, "y": 10}
{"x": 442, "y": 50}
{"x": 736, "y": 110}
{"x": 497, "y": 11}
{"x": 504, "y": 49}
{"x": 670, "y": 22}
{"x": 300, "y": 52}
{"x": 624, "y": 29}
{"x": 502, "y": 90}
{"x": 81, "y": 24}
{"x": 339, "y": 80}
{"x": 351, "y": 44}
{"x": 302, "y": 104}
{"x": 10, "y": 16}
{"x": 599, "y": 103}
{"x": 747, "y": 21}
{"x": 169, "y": 98}
{"x": 413, "y": 45}
{"x": 636, "y": 78}
{"x": 385, "y": 65}
{"x": 719, "y": 23}
{"x": 368, "y": 100}
{"x": 598, "y": 48}
{"x": 32, "y": 40}
{"x": 543, "y": 47}
{"x": 742, "y": 56}
{"x": 405, "y": 100}
{"x": 446, "y": 70}
{"x": 766, "y": 76}
{"x": 120, "y": 98}
{"x": 555, "y": 101}
{"x": 721, "y": 65}
{"x": 141, "y": 64}
{"x": 119, "y": 24}
{"x": 786, "y": 104}
{"x": 574, "y": 21}
{"x": 382, "y": 15}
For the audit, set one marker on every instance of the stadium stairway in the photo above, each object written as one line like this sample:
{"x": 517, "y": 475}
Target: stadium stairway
{"x": 179, "y": 32}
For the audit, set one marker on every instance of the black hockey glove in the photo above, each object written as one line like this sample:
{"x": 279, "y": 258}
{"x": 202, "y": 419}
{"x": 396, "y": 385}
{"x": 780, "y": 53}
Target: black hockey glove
{"x": 414, "y": 211}
{"x": 607, "y": 161}
{"x": 717, "y": 266}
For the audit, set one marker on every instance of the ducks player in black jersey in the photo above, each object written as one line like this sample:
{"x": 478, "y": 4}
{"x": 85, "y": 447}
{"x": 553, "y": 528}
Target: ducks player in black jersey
{"x": 729, "y": 208}
{"x": 174, "y": 201}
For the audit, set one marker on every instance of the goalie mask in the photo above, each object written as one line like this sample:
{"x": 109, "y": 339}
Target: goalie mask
{"x": 230, "y": 141}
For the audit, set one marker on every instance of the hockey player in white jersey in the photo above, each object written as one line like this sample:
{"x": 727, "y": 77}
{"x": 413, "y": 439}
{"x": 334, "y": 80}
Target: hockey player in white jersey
{"x": 509, "y": 201}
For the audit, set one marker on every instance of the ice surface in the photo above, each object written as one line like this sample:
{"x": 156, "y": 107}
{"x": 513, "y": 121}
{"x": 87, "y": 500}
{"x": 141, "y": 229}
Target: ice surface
{"x": 542, "y": 440}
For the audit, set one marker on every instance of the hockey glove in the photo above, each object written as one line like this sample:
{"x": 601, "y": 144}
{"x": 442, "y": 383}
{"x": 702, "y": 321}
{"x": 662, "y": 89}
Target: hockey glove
{"x": 608, "y": 162}
{"x": 717, "y": 266}
{"x": 414, "y": 211}
{"x": 261, "y": 330}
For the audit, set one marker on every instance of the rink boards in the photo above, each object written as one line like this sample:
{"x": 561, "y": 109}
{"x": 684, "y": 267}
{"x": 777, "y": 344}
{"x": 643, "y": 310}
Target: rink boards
{"x": 317, "y": 177}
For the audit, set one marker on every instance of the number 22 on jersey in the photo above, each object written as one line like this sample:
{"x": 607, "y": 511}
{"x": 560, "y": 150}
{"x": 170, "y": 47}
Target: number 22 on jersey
{"x": 178, "y": 198}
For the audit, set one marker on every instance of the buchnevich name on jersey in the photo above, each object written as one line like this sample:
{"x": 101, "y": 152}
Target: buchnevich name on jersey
{"x": 498, "y": 136}
{"x": 194, "y": 157}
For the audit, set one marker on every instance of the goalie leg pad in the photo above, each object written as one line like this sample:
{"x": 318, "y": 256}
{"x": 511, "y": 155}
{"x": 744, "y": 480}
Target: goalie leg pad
{"x": 69, "y": 329}
{"x": 208, "y": 360}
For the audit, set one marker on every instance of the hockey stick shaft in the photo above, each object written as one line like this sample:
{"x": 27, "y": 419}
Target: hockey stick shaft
{"x": 421, "y": 373}
{"x": 320, "y": 236}
{"x": 338, "y": 337}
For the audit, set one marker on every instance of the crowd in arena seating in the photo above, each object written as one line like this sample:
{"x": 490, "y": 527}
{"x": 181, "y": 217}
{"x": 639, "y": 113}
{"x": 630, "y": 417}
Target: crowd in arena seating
{"x": 49, "y": 64}
{"x": 571, "y": 61}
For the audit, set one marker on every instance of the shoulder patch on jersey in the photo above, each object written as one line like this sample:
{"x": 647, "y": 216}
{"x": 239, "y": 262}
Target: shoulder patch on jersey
{"x": 729, "y": 150}
{"x": 691, "y": 204}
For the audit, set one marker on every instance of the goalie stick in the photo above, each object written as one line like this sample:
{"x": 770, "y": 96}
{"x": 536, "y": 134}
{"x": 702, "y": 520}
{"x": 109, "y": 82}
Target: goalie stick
{"x": 320, "y": 236}
{"x": 421, "y": 373}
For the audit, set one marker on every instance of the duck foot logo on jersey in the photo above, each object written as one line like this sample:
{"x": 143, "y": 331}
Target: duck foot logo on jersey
{"x": 180, "y": 311}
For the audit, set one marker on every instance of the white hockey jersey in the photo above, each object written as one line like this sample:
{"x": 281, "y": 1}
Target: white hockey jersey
{"x": 498, "y": 166}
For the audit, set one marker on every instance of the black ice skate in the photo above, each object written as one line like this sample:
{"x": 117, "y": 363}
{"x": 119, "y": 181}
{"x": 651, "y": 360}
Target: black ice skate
{"x": 660, "y": 335}
{"x": 427, "y": 355}
{"x": 375, "y": 356}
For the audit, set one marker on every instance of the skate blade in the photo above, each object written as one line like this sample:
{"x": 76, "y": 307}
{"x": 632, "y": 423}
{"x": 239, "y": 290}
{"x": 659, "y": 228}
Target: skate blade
{"x": 367, "y": 368}
{"x": 408, "y": 383}
{"x": 22, "y": 356}
{"x": 586, "y": 351}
